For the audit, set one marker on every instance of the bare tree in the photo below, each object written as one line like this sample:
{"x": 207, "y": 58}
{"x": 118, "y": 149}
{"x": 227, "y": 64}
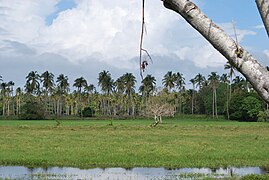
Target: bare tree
{"x": 263, "y": 7}
{"x": 237, "y": 56}
{"x": 158, "y": 110}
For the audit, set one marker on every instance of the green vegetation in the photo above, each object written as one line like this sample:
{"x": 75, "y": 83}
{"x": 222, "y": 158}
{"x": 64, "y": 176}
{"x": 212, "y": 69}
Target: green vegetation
{"x": 176, "y": 143}
{"x": 47, "y": 97}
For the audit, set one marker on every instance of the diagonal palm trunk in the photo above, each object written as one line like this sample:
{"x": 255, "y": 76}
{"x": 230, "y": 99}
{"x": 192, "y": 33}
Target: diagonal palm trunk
{"x": 263, "y": 7}
{"x": 244, "y": 62}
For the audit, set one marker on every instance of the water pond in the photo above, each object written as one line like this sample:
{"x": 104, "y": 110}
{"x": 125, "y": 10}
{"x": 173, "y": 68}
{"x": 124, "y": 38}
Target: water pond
{"x": 20, "y": 172}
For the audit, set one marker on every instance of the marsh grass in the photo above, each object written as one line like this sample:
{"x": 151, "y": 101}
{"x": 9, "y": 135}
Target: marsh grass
{"x": 131, "y": 143}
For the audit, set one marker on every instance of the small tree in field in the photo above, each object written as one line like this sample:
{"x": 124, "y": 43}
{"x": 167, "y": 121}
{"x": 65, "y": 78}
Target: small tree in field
{"x": 158, "y": 108}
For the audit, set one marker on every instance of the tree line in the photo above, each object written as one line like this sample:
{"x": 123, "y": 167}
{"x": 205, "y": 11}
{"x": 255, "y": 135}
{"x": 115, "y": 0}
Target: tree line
{"x": 45, "y": 96}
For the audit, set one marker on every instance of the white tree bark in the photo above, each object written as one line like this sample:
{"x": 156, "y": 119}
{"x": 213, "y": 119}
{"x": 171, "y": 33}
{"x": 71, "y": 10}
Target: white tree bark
{"x": 242, "y": 60}
{"x": 263, "y": 7}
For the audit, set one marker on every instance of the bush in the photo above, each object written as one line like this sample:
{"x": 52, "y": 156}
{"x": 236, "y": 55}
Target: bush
{"x": 263, "y": 116}
{"x": 88, "y": 112}
{"x": 32, "y": 111}
{"x": 251, "y": 106}
{"x": 245, "y": 107}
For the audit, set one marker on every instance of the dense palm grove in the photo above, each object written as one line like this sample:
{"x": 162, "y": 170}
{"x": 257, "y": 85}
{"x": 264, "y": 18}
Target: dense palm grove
{"x": 45, "y": 96}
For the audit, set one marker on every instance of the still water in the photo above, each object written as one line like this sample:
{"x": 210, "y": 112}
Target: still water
{"x": 19, "y": 172}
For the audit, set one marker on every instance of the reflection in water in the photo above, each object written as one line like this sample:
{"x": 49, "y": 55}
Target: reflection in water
{"x": 19, "y": 172}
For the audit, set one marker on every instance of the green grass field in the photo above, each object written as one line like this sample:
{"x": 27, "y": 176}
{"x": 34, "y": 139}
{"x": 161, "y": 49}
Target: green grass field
{"x": 132, "y": 143}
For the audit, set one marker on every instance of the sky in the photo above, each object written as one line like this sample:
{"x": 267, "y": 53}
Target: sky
{"x": 81, "y": 38}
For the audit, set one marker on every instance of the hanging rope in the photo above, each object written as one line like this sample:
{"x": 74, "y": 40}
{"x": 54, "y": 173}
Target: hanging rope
{"x": 143, "y": 63}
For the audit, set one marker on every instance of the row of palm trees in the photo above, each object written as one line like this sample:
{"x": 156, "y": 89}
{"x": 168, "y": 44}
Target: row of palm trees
{"x": 117, "y": 97}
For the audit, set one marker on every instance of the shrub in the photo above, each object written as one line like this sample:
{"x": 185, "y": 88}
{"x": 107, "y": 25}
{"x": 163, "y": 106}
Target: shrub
{"x": 263, "y": 116}
{"x": 32, "y": 111}
{"x": 245, "y": 107}
{"x": 88, "y": 112}
{"x": 251, "y": 107}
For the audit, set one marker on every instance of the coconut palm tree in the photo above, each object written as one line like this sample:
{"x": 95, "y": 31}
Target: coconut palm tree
{"x": 179, "y": 83}
{"x": 105, "y": 82}
{"x": 193, "y": 95}
{"x": 119, "y": 93}
{"x": 238, "y": 83}
{"x": 199, "y": 80}
{"x": 18, "y": 100}
{"x": 148, "y": 84}
{"x": 32, "y": 83}
{"x": 79, "y": 84}
{"x": 62, "y": 90}
{"x": 47, "y": 80}
{"x": 224, "y": 79}
{"x": 169, "y": 80}
{"x": 3, "y": 87}
{"x": 90, "y": 88}
{"x": 62, "y": 83}
{"x": 10, "y": 85}
{"x": 120, "y": 85}
{"x": 129, "y": 83}
{"x": 231, "y": 73}
{"x": 213, "y": 79}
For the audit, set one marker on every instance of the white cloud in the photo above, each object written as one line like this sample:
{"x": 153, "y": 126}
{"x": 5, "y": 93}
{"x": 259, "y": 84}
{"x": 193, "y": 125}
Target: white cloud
{"x": 261, "y": 26}
{"x": 110, "y": 29}
{"x": 240, "y": 33}
{"x": 204, "y": 56}
{"x": 104, "y": 30}
{"x": 22, "y": 20}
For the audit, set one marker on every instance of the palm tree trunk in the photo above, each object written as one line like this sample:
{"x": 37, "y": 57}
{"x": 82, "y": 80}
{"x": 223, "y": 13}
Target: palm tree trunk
{"x": 58, "y": 107}
{"x": 216, "y": 106}
{"x": 227, "y": 99}
{"x": 263, "y": 7}
{"x": 180, "y": 101}
{"x": 193, "y": 98}
{"x": 4, "y": 107}
{"x": 230, "y": 88}
{"x": 72, "y": 109}
{"x": 8, "y": 106}
{"x": 17, "y": 105}
{"x": 213, "y": 106}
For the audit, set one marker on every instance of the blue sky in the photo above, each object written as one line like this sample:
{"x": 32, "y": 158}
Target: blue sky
{"x": 245, "y": 14}
{"x": 84, "y": 37}
{"x": 61, "y": 6}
